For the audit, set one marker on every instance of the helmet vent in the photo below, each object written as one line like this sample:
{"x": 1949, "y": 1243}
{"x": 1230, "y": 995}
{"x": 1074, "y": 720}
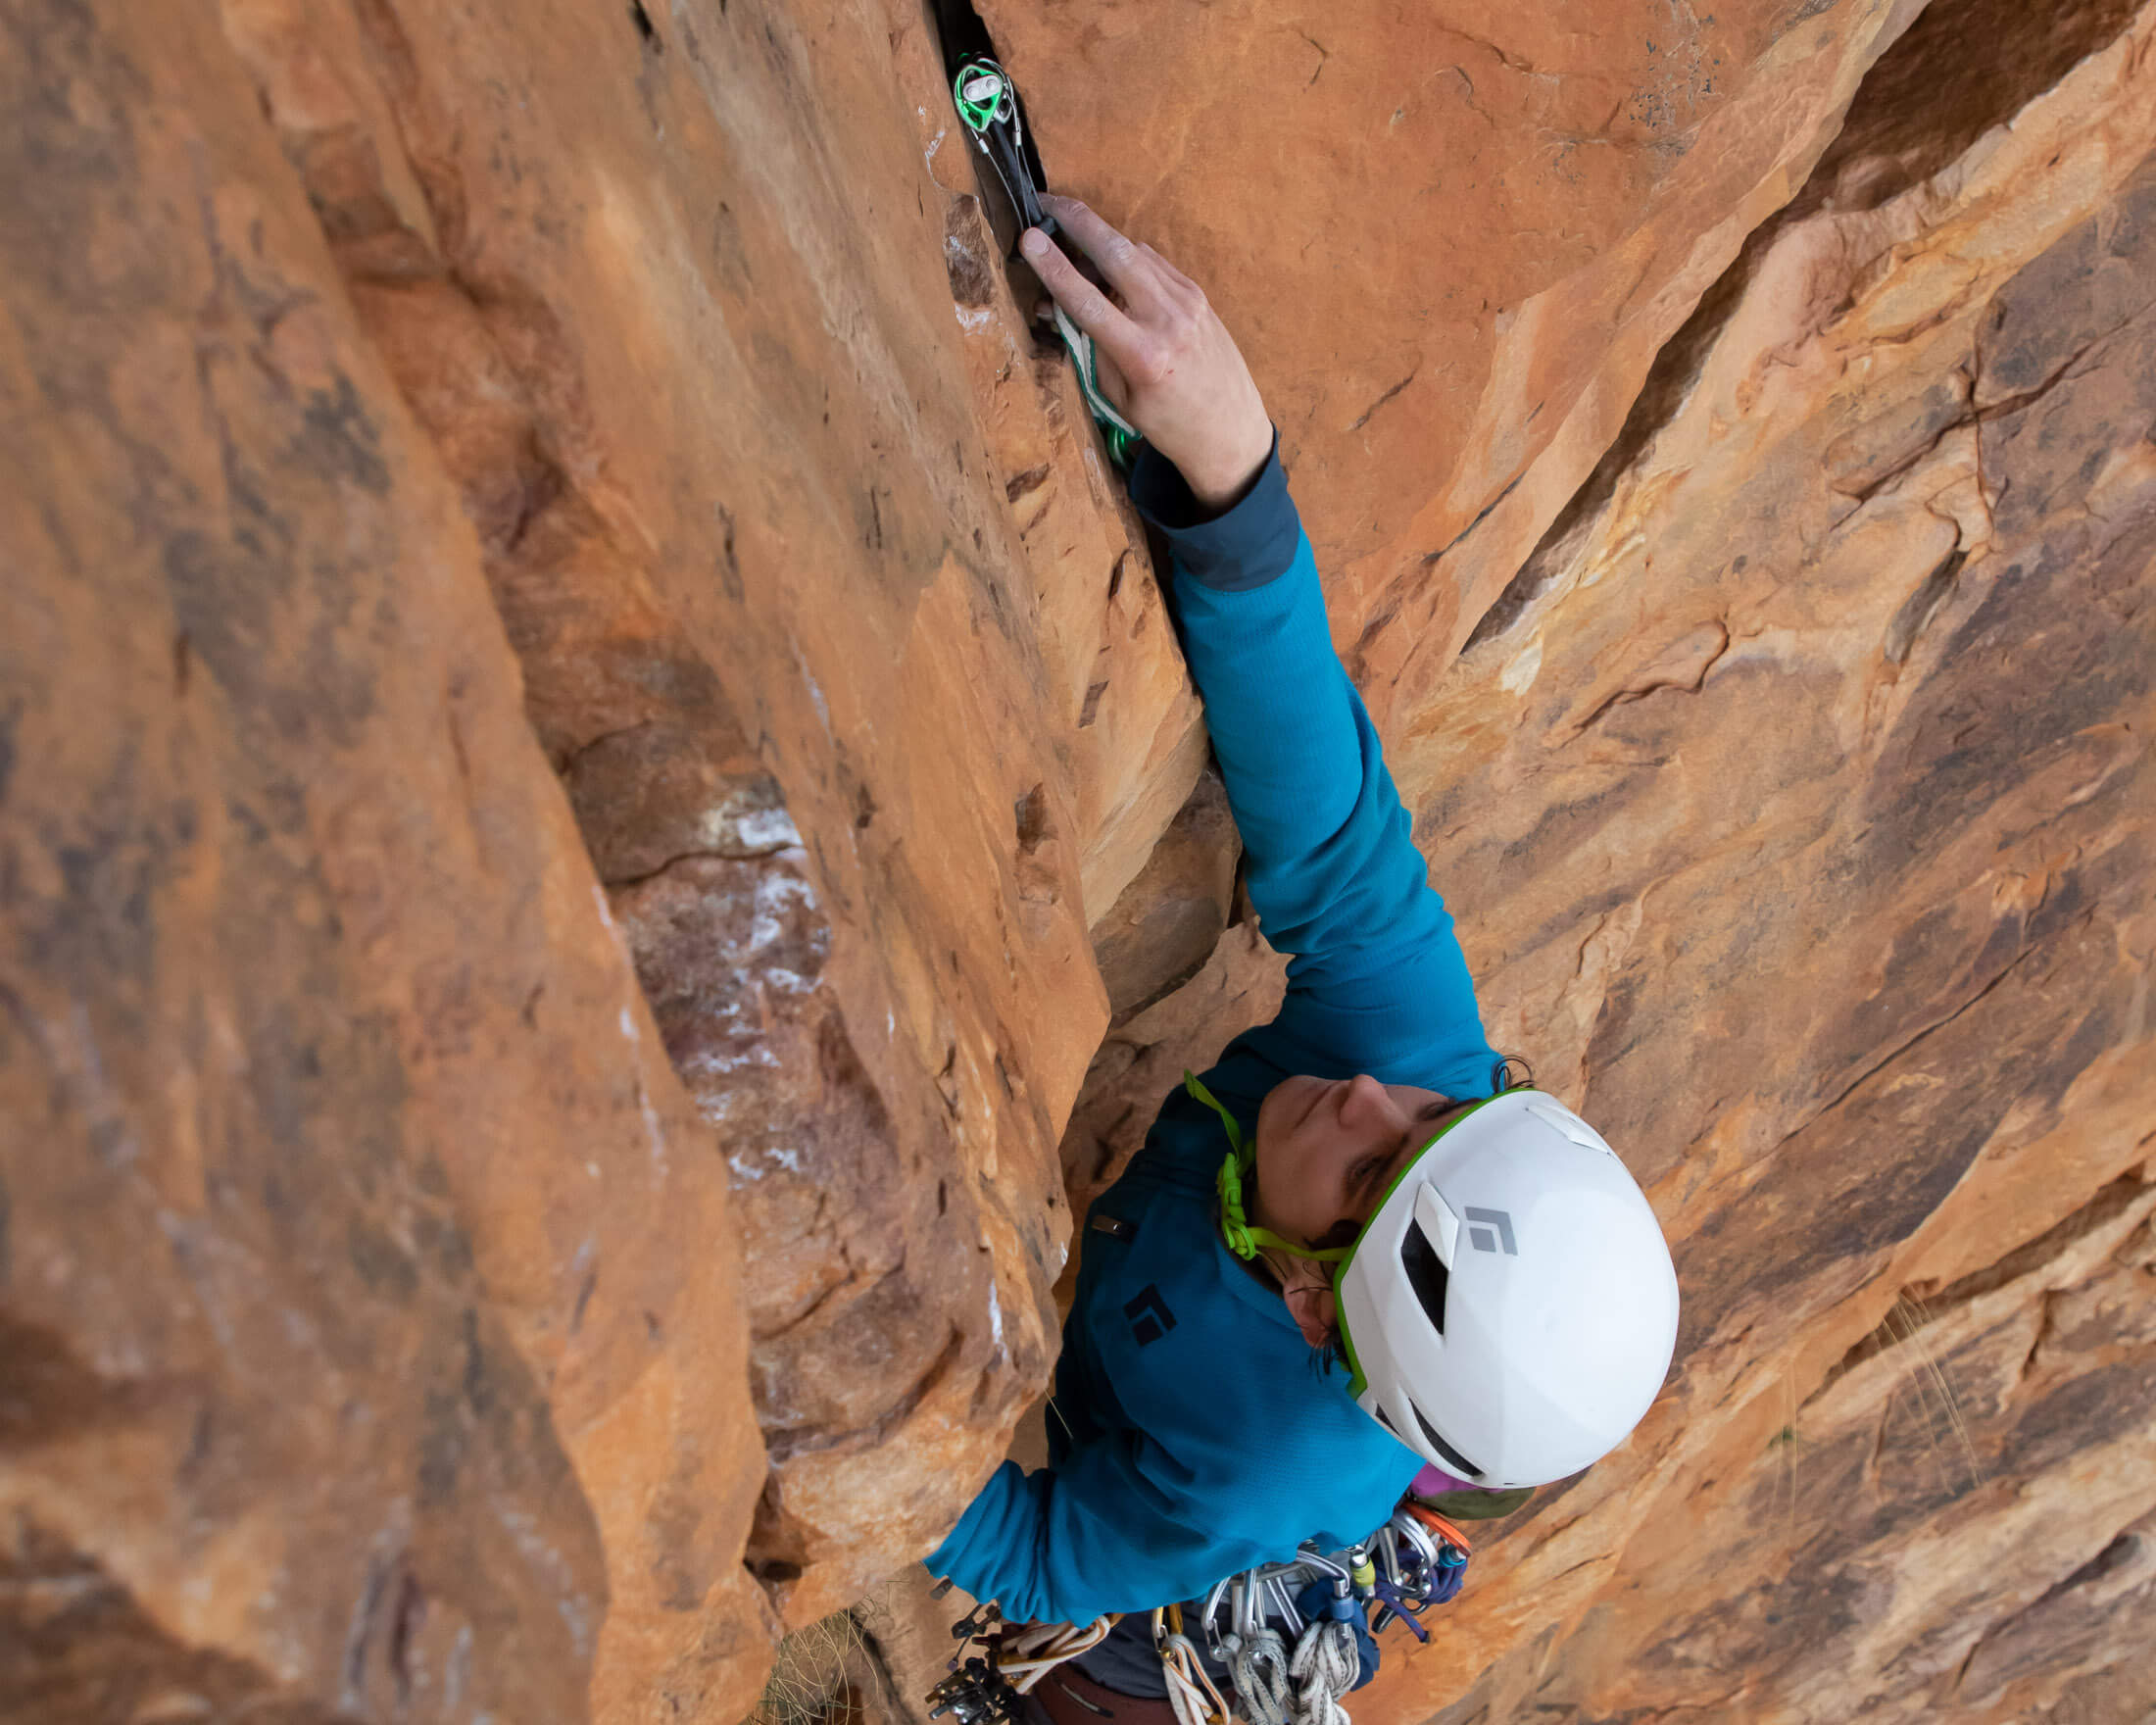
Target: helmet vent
{"x": 1426, "y": 1272}
{"x": 1453, "y": 1459}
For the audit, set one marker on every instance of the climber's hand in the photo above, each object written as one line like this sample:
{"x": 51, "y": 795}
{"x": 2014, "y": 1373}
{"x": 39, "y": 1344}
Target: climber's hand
{"x": 1166, "y": 362}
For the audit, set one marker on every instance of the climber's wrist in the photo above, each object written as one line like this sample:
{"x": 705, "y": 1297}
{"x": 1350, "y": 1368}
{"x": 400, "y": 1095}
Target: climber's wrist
{"x": 1219, "y": 480}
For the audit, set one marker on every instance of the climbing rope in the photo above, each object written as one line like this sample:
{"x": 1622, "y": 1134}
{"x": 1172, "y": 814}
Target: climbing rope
{"x": 1262, "y": 1666}
{"x": 1325, "y": 1667}
{"x": 1191, "y": 1693}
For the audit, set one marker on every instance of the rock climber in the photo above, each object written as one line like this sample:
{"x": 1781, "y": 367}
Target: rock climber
{"x": 1354, "y": 1249}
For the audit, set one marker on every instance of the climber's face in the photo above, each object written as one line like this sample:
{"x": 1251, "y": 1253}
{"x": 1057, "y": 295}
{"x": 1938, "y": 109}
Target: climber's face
{"x": 1328, "y": 1149}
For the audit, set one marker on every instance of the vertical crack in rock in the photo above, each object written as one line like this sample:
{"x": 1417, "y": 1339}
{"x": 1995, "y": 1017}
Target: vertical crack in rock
{"x": 708, "y": 880}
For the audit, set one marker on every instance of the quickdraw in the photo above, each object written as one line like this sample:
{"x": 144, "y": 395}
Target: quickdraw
{"x": 988, "y": 1686}
{"x": 988, "y": 105}
{"x": 1416, "y": 1560}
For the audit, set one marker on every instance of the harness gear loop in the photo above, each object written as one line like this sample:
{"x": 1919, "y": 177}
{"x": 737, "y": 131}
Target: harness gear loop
{"x": 987, "y": 1690}
{"x": 1244, "y": 1239}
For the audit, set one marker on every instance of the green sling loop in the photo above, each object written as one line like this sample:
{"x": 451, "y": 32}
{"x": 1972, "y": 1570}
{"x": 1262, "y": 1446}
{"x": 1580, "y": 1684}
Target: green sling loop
{"x": 1243, "y": 1240}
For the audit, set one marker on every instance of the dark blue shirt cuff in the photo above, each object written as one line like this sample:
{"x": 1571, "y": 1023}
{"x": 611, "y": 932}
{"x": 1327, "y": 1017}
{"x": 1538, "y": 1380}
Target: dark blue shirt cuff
{"x": 1250, "y": 543}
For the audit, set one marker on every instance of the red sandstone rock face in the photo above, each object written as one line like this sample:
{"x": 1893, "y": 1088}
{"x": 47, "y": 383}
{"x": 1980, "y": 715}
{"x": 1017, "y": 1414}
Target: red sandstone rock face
{"x": 1450, "y": 241}
{"x": 1812, "y": 756}
{"x": 340, "y": 1373}
{"x": 390, "y": 389}
{"x": 671, "y": 309}
{"x": 1794, "y": 800}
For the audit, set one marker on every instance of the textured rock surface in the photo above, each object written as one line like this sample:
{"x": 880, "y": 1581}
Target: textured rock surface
{"x": 1795, "y": 800}
{"x": 1451, "y": 239}
{"x": 408, "y": 410}
{"x": 339, "y": 1373}
{"x": 1812, "y": 756}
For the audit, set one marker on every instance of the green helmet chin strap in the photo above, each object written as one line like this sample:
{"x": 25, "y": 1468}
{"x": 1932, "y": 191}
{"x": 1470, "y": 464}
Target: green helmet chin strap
{"x": 1243, "y": 1240}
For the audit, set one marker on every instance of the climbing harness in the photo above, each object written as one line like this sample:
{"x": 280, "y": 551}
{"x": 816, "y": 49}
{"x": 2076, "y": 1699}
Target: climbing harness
{"x": 988, "y": 104}
{"x": 1330, "y": 1606}
{"x": 987, "y": 1688}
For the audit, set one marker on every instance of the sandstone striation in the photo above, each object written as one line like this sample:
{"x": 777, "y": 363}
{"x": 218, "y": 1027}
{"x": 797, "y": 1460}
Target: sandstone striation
{"x": 339, "y": 1375}
{"x": 1795, "y": 798}
{"x": 1811, "y": 753}
{"x": 603, "y": 833}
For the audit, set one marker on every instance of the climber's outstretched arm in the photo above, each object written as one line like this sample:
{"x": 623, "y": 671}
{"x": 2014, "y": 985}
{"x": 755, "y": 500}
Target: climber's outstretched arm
{"x": 1379, "y": 983}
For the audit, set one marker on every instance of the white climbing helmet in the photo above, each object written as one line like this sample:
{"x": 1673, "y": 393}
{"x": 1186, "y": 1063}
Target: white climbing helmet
{"x": 1511, "y": 1309}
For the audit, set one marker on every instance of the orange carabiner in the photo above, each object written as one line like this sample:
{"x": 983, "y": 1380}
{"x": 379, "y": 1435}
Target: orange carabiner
{"x": 1442, "y": 1526}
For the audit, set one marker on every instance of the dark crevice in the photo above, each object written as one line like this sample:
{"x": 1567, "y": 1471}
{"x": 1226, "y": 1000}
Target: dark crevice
{"x": 625, "y": 883}
{"x": 1925, "y": 1303}
{"x": 1364, "y": 418}
{"x": 1957, "y": 71}
{"x": 1916, "y": 611}
{"x": 964, "y": 33}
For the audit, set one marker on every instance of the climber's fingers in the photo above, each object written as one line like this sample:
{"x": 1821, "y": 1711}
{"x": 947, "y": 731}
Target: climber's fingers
{"x": 1131, "y": 269}
{"x": 1089, "y": 308}
{"x": 1171, "y": 272}
{"x": 1165, "y": 362}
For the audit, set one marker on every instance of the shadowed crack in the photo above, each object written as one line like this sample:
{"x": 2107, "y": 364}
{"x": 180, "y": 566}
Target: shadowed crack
{"x": 1926, "y": 1304}
{"x": 1388, "y": 396}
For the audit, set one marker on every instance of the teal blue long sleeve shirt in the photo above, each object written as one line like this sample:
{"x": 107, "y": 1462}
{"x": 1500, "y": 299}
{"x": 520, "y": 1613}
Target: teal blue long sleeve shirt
{"x": 1195, "y": 1432}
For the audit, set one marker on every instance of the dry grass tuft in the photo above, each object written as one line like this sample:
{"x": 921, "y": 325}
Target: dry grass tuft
{"x": 814, "y": 1665}
{"x": 1935, "y": 1398}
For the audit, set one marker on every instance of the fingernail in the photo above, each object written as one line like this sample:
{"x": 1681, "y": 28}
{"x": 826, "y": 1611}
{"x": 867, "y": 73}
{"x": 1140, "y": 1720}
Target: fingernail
{"x": 1034, "y": 243}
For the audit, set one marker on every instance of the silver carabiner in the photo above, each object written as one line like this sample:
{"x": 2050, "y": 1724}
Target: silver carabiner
{"x": 1387, "y": 1550}
{"x": 1214, "y": 1643}
{"x": 1343, "y": 1582}
{"x": 1418, "y": 1536}
{"x": 1284, "y": 1602}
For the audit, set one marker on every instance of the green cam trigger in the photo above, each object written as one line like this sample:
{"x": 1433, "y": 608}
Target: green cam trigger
{"x": 988, "y": 104}
{"x": 983, "y": 94}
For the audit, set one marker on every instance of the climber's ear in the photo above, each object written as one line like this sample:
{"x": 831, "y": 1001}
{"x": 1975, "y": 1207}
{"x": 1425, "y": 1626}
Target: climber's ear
{"x": 1316, "y": 1313}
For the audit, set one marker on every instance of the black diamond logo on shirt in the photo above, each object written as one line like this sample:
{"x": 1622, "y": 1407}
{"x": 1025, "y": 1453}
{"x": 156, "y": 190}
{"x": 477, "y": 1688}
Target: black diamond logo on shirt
{"x": 1150, "y": 1316}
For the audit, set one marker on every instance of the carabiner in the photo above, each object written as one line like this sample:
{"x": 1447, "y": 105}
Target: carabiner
{"x": 1343, "y": 1582}
{"x": 1216, "y": 1642}
{"x": 1284, "y": 1602}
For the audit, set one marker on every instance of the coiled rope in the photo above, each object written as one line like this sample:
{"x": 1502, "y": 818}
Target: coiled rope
{"x": 1260, "y": 1664}
{"x": 1325, "y": 1667}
